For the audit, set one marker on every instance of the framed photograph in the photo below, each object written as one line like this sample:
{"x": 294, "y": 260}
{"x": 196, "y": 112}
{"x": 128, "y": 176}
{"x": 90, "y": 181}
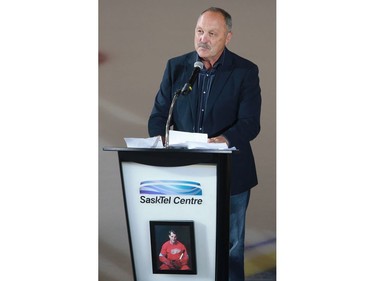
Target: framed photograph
{"x": 173, "y": 247}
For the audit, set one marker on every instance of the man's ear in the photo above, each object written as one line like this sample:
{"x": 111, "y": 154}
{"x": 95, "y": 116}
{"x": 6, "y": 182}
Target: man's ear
{"x": 229, "y": 37}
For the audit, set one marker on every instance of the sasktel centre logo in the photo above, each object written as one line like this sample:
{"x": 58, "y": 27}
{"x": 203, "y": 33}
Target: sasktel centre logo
{"x": 170, "y": 192}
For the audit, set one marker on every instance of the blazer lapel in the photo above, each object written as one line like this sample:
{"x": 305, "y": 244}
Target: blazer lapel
{"x": 221, "y": 78}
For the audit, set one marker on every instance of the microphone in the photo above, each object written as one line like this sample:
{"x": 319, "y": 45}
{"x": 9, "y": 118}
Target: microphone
{"x": 198, "y": 65}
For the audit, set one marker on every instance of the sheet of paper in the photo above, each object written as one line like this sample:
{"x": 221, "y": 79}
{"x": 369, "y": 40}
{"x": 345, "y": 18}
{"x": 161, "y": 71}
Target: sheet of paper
{"x": 201, "y": 145}
{"x": 178, "y": 137}
{"x": 154, "y": 142}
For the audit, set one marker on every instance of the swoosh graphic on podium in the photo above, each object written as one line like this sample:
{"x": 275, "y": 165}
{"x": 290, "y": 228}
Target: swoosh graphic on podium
{"x": 170, "y": 187}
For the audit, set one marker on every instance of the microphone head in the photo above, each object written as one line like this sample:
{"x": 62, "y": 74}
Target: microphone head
{"x": 198, "y": 64}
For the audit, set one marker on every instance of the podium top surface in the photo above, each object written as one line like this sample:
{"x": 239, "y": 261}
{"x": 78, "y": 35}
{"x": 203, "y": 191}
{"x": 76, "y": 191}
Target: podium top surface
{"x": 169, "y": 150}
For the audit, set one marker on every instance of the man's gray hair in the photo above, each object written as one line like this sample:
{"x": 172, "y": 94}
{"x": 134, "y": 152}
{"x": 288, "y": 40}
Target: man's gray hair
{"x": 226, "y": 15}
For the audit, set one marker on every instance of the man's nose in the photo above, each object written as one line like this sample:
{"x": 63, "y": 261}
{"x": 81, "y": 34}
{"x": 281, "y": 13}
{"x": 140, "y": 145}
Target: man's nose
{"x": 203, "y": 38}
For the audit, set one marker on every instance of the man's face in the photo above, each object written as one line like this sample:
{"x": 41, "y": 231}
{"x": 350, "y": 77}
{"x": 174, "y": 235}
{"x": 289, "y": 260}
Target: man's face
{"x": 173, "y": 238}
{"x": 211, "y": 36}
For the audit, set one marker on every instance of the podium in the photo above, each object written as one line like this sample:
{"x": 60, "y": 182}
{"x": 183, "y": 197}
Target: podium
{"x": 184, "y": 190}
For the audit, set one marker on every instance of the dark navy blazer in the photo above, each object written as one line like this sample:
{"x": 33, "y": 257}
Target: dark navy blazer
{"x": 233, "y": 109}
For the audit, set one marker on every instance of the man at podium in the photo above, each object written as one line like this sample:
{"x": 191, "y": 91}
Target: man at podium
{"x": 224, "y": 102}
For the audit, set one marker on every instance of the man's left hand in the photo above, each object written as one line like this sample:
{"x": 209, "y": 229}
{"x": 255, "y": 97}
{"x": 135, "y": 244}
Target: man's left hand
{"x": 218, "y": 139}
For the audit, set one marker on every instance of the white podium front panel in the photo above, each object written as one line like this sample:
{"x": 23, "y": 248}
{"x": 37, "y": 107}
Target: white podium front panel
{"x": 172, "y": 194}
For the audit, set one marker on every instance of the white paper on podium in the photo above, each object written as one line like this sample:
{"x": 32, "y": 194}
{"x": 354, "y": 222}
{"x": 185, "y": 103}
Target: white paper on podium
{"x": 179, "y": 137}
{"x": 201, "y": 145}
{"x": 188, "y": 140}
{"x": 154, "y": 142}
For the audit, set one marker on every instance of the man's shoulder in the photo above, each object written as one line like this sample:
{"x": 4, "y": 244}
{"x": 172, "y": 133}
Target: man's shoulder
{"x": 239, "y": 60}
{"x": 166, "y": 243}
